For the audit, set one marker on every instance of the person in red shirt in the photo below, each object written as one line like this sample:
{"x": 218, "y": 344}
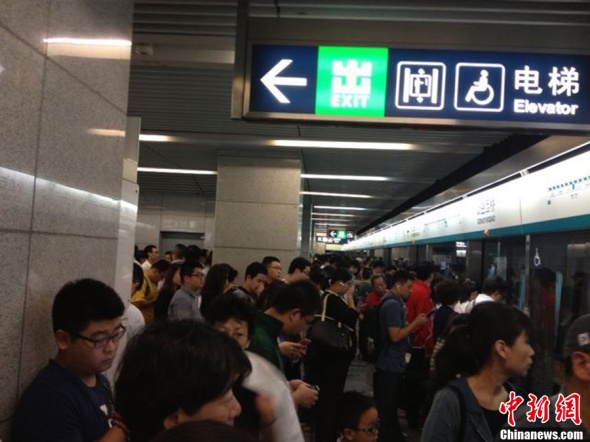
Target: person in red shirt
{"x": 373, "y": 297}
{"x": 422, "y": 343}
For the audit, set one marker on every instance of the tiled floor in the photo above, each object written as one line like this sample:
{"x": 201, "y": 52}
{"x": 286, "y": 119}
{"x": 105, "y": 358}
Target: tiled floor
{"x": 360, "y": 378}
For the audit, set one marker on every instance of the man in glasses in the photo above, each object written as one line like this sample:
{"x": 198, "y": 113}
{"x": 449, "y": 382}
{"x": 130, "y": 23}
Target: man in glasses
{"x": 70, "y": 400}
{"x": 186, "y": 301}
{"x": 298, "y": 269}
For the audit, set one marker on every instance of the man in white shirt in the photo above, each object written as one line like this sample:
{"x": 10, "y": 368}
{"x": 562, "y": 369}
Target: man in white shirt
{"x": 152, "y": 253}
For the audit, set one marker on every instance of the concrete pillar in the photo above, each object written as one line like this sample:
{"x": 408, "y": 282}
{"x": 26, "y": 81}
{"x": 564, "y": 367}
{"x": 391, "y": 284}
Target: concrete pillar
{"x": 64, "y": 118}
{"x": 306, "y": 228}
{"x": 256, "y": 208}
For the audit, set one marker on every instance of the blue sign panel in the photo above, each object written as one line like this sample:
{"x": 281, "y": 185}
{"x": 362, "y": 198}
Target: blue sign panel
{"x": 283, "y": 79}
{"x": 437, "y": 87}
{"x": 467, "y": 85}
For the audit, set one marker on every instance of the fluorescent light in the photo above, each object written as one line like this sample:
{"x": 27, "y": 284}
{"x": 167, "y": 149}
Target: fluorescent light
{"x": 341, "y": 145}
{"x": 107, "y": 132}
{"x": 335, "y": 220}
{"x": 333, "y": 214}
{"x": 342, "y": 195}
{"x": 345, "y": 177}
{"x": 181, "y": 171}
{"x": 156, "y": 138}
{"x": 332, "y": 225}
{"x": 341, "y": 208}
{"x": 88, "y": 41}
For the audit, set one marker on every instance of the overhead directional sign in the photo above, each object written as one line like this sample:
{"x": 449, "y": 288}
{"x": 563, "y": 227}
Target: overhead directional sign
{"x": 419, "y": 86}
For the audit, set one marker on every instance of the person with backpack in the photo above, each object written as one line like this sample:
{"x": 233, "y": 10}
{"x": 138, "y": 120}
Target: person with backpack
{"x": 490, "y": 348}
{"x": 368, "y": 318}
{"x": 392, "y": 346}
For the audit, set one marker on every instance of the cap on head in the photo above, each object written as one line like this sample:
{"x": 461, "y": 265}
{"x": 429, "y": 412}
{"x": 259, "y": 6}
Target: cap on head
{"x": 578, "y": 337}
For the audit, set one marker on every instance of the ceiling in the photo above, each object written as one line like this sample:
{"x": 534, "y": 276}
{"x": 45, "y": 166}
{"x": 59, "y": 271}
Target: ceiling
{"x": 181, "y": 84}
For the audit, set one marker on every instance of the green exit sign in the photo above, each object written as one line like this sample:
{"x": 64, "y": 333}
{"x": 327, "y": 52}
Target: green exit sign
{"x": 351, "y": 81}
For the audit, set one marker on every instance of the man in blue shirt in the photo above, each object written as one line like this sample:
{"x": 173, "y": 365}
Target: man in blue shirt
{"x": 70, "y": 400}
{"x": 391, "y": 362}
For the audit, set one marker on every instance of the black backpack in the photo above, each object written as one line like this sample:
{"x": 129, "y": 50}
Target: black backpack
{"x": 371, "y": 341}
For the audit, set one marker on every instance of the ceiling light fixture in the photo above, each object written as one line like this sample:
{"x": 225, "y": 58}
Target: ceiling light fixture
{"x": 341, "y": 208}
{"x": 333, "y": 214}
{"x": 179, "y": 171}
{"x": 341, "y": 145}
{"x": 345, "y": 177}
{"x": 335, "y": 220}
{"x": 88, "y": 41}
{"x": 155, "y": 138}
{"x": 342, "y": 195}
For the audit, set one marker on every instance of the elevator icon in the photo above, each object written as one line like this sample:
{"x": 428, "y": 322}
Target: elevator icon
{"x": 420, "y": 85}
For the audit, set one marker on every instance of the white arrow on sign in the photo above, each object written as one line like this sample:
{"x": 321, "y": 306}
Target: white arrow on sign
{"x": 271, "y": 81}
{"x": 333, "y": 233}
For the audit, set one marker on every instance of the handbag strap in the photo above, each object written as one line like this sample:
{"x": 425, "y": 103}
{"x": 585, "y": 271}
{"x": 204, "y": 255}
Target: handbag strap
{"x": 325, "y": 306}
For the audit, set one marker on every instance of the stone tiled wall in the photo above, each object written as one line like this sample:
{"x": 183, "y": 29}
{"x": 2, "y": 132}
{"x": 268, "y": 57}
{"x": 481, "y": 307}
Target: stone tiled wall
{"x": 63, "y": 112}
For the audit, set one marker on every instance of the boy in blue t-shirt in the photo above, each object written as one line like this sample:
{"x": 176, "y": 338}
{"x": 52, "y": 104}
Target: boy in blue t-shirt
{"x": 70, "y": 400}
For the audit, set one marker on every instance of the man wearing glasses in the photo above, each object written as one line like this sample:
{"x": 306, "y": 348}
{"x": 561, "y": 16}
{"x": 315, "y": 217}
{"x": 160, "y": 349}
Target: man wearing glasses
{"x": 70, "y": 400}
{"x": 298, "y": 269}
{"x": 186, "y": 301}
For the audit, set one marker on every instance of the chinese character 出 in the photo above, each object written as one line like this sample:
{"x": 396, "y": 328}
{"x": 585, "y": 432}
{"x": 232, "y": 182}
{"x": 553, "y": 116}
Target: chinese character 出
{"x": 568, "y": 408}
{"x": 538, "y": 408}
{"x": 567, "y": 80}
{"x": 528, "y": 80}
{"x": 351, "y": 72}
{"x": 510, "y": 407}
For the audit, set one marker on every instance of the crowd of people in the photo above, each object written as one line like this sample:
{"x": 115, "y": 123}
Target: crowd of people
{"x": 208, "y": 358}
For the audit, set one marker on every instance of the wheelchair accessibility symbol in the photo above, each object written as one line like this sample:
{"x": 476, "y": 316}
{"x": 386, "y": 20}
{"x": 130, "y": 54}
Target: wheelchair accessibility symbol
{"x": 479, "y": 87}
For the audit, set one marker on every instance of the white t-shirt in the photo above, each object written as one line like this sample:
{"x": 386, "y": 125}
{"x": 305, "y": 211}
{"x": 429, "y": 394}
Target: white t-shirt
{"x": 266, "y": 380}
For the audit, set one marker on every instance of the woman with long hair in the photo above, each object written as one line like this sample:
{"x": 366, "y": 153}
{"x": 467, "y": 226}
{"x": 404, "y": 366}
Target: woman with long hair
{"x": 171, "y": 284}
{"x": 475, "y": 363}
{"x": 218, "y": 281}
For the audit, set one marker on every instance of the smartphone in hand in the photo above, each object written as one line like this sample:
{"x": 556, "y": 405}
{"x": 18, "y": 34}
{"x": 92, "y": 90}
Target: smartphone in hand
{"x": 305, "y": 342}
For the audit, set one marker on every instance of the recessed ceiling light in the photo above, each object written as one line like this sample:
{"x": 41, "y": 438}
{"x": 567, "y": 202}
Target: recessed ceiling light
{"x": 342, "y": 195}
{"x": 88, "y": 41}
{"x": 345, "y": 177}
{"x": 179, "y": 171}
{"x": 333, "y": 214}
{"x": 341, "y": 145}
{"x": 341, "y": 208}
{"x": 155, "y": 138}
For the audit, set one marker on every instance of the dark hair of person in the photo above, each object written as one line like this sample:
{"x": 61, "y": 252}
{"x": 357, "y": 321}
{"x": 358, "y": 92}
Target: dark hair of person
{"x": 140, "y": 255}
{"x": 401, "y": 277}
{"x": 424, "y": 270}
{"x": 79, "y": 302}
{"x": 174, "y": 365}
{"x": 302, "y": 294}
{"x": 545, "y": 276}
{"x": 137, "y": 277}
{"x": 354, "y": 263}
{"x": 367, "y": 273}
{"x": 470, "y": 287}
{"x": 298, "y": 263}
{"x": 203, "y": 431}
{"x": 378, "y": 263}
{"x": 179, "y": 251}
{"x": 166, "y": 292}
{"x": 268, "y": 260}
{"x": 187, "y": 268}
{"x": 469, "y": 347}
{"x": 192, "y": 253}
{"x": 255, "y": 268}
{"x": 449, "y": 291}
{"x": 340, "y": 274}
{"x": 215, "y": 281}
{"x": 228, "y": 306}
{"x": 318, "y": 276}
{"x": 266, "y": 298}
{"x": 493, "y": 285}
{"x": 231, "y": 273}
{"x": 148, "y": 249}
{"x": 375, "y": 278}
{"x": 161, "y": 265}
{"x": 352, "y": 405}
